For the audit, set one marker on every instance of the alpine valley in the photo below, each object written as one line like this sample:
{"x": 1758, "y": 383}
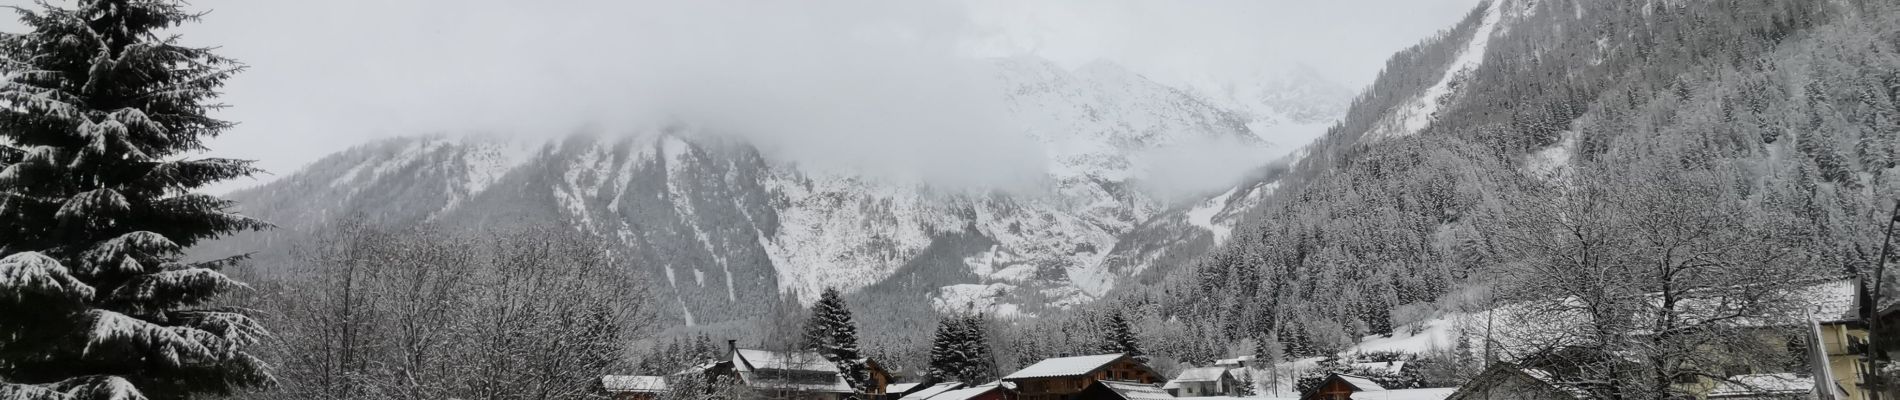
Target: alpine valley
{"x": 724, "y": 230}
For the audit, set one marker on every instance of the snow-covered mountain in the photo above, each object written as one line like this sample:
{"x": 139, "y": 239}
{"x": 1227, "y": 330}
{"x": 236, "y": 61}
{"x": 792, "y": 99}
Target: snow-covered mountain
{"x": 722, "y": 226}
{"x": 1290, "y": 105}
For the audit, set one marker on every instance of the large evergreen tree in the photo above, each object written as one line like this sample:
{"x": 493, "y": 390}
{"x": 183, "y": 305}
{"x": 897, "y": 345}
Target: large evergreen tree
{"x": 98, "y": 111}
{"x": 1118, "y": 337}
{"x": 831, "y": 333}
{"x": 961, "y": 351}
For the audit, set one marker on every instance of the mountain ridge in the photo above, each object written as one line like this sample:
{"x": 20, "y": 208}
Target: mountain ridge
{"x": 718, "y": 222}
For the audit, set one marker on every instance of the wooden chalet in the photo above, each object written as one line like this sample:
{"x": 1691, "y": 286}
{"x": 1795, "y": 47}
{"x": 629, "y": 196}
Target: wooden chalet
{"x": 1202, "y": 382}
{"x": 1117, "y": 390}
{"x": 792, "y": 375}
{"x": 1507, "y": 381}
{"x": 1066, "y": 377}
{"x": 1354, "y": 387}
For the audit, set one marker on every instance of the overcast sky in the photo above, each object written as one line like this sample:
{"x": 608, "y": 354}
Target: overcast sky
{"x": 326, "y": 75}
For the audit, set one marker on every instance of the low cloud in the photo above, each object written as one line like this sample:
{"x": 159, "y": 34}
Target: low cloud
{"x": 1199, "y": 167}
{"x": 888, "y": 88}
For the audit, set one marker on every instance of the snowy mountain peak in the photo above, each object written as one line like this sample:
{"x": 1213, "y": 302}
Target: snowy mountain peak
{"x": 716, "y": 223}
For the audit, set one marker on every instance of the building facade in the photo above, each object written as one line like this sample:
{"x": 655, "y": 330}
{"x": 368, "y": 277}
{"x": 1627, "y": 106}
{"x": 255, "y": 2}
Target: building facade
{"x": 1064, "y": 378}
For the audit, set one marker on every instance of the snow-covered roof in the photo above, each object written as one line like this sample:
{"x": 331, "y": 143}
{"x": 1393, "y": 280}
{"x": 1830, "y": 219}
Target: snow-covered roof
{"x": 1137, "y": 391}
{"x": 1823, "y": 300}
{"x": 698, "y": 368}
{"x": 1548, "y": 379}
{"x": 792, "y": 371}
{"x": 1171, "y": 385}
{"x": 1204, "y": 374}
{"x": 1763, "y": 384}
{"x": 796, "y": 361}
{"x": 1360, "y": 382}
{"x": 633, "y": 383}
{"x": 1834, "y": 301}
{"x": 758, "y": 380}
{"x": 900, "y": 387}
{"x": 1406, "y": 394}
{"x": 1065, "y": 366}
{"x": 1388, "y": 367}
{"x": 929, "y": 392}
{"x": 963, "y": 394}
{"x": 1529, "y": 326}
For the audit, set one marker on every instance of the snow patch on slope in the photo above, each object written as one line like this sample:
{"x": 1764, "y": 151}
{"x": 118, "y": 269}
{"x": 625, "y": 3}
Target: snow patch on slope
{"x": 1203, "y": 216}
{"x": 487, "y": 161}
{"x": 370, "y": 170}
{"x": 846, "y": 232}
{"x": 1414, "y": 116}
{"x": 967, "y": 298}
{"x": 1553, "y": 163}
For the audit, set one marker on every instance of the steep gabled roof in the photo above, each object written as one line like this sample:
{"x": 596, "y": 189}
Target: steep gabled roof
{"x": 789, "y": 371}
{"x": 1203, "y": 374}
{"x": 794, "y": 361}
{"x": 901, "y": 387}
{"x": 1136, "y": 391}
{"x": 1361, "y": 383}
{"x": 1066, "y": 366}
{"x": 929, "y": 392}
{"x": 966, "y": 393}
{"x": 1502, "y": 370}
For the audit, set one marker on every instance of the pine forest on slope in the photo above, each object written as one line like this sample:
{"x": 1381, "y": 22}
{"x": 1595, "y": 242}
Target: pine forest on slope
{"x": 1609, "y": 172}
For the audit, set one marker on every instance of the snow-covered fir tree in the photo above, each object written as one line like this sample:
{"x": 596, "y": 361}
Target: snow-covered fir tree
{"x": 961, "y": 351}
{"x": 96, "y": 207}
{"x": 831, "y": 333}
{"x": 1118, "y": 337}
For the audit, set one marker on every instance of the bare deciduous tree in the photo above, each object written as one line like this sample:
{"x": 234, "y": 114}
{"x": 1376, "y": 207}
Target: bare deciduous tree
{"x": 429, "y": 313}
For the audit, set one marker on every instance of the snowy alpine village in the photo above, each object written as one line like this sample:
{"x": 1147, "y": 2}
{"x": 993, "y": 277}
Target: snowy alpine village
{"x": 949, "y": 199}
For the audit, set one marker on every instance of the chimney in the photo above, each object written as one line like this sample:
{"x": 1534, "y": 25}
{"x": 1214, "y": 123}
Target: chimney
{"x": 732, "y": 344}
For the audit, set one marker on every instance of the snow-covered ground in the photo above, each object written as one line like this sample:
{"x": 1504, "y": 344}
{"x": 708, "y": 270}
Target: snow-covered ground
{"x": 1203, "y": 216}
{"x": 1553, "y": 163}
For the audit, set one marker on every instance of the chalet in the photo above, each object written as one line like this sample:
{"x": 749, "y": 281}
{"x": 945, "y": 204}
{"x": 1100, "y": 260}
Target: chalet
{"x": 1202, "y": 382}
{"x": 1825, "y": 321}
{"x": 1063, "y": 378}
{"x": 1507, "y": 381}
{"x": 1354, "y": 387}
{"x": 791, "y": 375}
{"x": 633, "y": 387}
{"x": 1117, "y": 390}
{"x": 1832, "y": 318}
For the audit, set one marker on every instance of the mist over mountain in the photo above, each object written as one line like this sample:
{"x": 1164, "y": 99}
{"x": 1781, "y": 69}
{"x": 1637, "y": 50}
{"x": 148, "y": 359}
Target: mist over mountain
{"x": 721, "y": 218}
{"x": 1654, "y": 199}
